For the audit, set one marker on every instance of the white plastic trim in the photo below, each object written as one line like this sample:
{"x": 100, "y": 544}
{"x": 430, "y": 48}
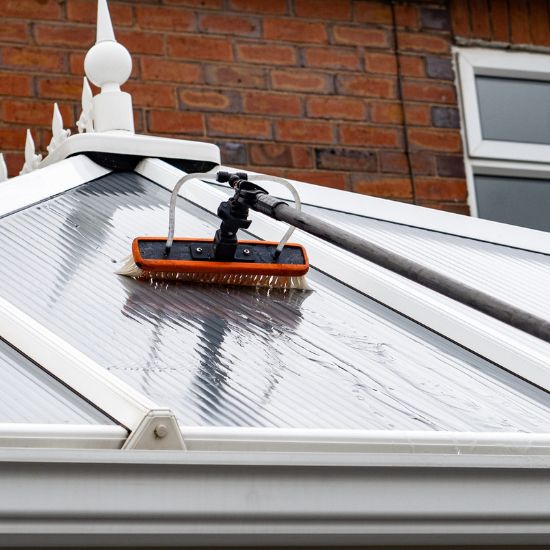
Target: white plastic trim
{"x": 414, "y": 216}
{"x": 22, "y": 191}
{"x": 512, "y": 349}
{"x": 362, "y": 441}
{"x": 133, "y": 144}
{"x": 62, "y": 436}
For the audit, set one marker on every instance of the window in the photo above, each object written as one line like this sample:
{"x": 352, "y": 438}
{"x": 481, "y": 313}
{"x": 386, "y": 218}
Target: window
{"x": 505, "y": 100}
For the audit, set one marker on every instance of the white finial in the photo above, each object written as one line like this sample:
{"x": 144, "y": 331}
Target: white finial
{"x": 32, "y": 160}
{"x": 108, "y": 65}
{"x": 85, "y": 123}
{"x": 3, "y": 169}
{"x": 59, "y": 134}
{"x": 105, "y": 32}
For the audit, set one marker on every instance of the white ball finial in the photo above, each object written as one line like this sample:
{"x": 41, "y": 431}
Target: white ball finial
{"x": 108, "y": 65}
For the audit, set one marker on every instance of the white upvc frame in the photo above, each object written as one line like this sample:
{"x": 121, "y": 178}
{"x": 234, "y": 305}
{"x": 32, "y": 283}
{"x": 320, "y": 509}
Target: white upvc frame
{"x": 491, "y": 62}
{"x": 494, "y": 157}
{"x": 513, "y": 349}
{"x": 143, "y": 418}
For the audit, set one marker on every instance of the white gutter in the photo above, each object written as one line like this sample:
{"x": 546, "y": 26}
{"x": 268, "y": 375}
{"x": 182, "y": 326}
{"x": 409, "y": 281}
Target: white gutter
{"x": 158, "y": 499}
{"x": 363, "y": 441}
{"x": 62, "y": 436}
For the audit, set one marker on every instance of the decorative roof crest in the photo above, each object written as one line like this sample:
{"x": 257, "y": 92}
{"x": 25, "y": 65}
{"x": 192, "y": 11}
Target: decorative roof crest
{"x": 59, "y": 134}
{"x": 3, "y": 169}
{"x": 32, "y": 160}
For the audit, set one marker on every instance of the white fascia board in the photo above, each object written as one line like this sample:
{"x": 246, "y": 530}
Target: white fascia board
{"x": 62, "y": 436}
{"x": 126, "y": 143}
{"x": 39, "y": 185}
{"x": 502, "y": 344}
{"x": 106, "y": 498}
{"x": 199, "y": 438}
{"x": 412, "y": 215}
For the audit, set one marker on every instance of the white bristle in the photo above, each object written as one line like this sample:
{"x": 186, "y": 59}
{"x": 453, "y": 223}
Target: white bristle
{"x": 130, "y": 269}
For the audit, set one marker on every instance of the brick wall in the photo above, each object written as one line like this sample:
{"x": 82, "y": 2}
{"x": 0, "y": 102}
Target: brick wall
{"x": 301, "y": 88}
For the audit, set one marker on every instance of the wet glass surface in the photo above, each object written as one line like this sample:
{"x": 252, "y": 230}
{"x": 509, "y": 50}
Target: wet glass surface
{"x": 236, "y": 356}
{"x": 30, "y": 395}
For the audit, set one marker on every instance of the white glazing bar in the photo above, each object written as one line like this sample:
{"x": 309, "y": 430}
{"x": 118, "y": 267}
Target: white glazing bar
{"x": 514, "y": 350}
{"x": 62, "y": 436}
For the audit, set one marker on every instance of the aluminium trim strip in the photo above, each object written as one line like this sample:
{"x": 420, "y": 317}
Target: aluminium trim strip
{"x": 239, "y": 499}
{"x": 57, "y": 436}
{"x": 514, "y": 350}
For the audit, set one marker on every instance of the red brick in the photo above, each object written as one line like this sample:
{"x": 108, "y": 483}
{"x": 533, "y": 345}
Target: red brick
{"x": 423, "y": 163}
{"x": 455, "y": 208}
{"x": 460, "y": 17}
{"x": 141, "y": 42}
{"x": 418, "y": 115}
{"x": 200, "y": 47}
{"x": 270, "y": 154}
{"x": 302, "y": 81}
{"x": 151, "y": 95}
{"x": 164, "y": 18}
{"x": 175, "y": 122}
{"x": 406, "y": 15}
{"x": 230, "y": 24}
{"x": 519, "y": 19}
{"x": 336, "y": 107}
{"x": 155, "y": 68}
{"x": 37, "y": 59}
{"x": 373, "y": 12}
{"x": 64, "y": 35}
{"x": 293, "y": 30}
{"x": 435, "y": 93}
{"x": 323, "y": 9}
{"x": 332, "y": 58}
{"x": 327, "y": 179}
{"x": 387, "y": 113}
{"x": 393, "y": 162}
{"x": 239, "y": 76}
{"x": 302, "y": 156}
{"x": 85, "y": 11}
{"x": 481, "y": 26}
{"x": 441, "y": 189}
{"x": 12, "y": 138}
{"x": 366, "y": 86}
{"x": 384, "y": 63}
{"x": 14, "y": 162}
{"x": 13, "y": 32}
{"x": 208, "y": 4}
{"x": 210, "y": 100}
{"x": 260, "y": 6}
{"x": 359, "y": 36}
{"x": 32, "y": 9}
{"x": 34, "y": 112}
{"x": 538, "y": 17}
{"x": 15, "y": 84}
{"x": 350, "y": 160}
{"x": 267, "y": 54}
{"x": 500, "y": 21}
{"x": 411, "y": 65}
{"x": 356, "y": 134}
{"x": 305, "y": 131}
{"x": 272, "y": 104}
{"x": 239, "y": 126}
{"x": 384, "y": 186}
{"x": 435, "y": 140}
{"x": 417, "y": 42}
{"x": 60, "y": 88}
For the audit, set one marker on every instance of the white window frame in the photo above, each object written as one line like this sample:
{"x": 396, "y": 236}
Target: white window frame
{"x": 494, "y": 157}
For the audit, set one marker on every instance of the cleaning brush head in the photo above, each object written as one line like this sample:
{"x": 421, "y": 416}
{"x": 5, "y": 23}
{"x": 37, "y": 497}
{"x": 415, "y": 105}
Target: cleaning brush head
{"x": 255, "y": 263}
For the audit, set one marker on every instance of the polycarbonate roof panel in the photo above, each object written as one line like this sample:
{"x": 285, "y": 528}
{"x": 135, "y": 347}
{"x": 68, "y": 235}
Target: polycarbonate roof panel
{"x": 30, "y": 395}
{"x": 519, "y": 277}
{"x": 235, "y": 356}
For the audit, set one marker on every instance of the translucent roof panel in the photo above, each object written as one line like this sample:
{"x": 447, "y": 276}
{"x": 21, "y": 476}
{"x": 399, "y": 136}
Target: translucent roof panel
{"x": 30, "y": 395}
{"x": 515, "y": 276}
{"x": 235, "y": 356}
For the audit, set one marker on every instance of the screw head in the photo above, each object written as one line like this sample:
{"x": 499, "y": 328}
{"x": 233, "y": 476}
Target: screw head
{"x": 246, "y": 252}
{"x": 198, "y": 250}
{"x": 161, "y": 431}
